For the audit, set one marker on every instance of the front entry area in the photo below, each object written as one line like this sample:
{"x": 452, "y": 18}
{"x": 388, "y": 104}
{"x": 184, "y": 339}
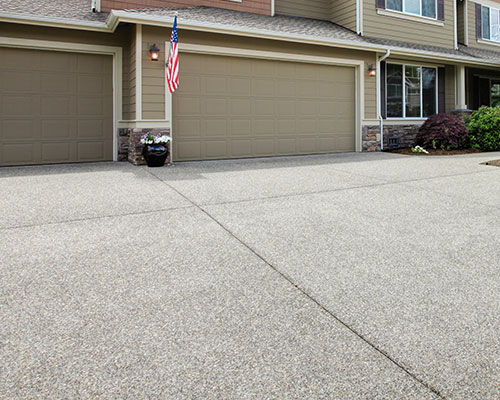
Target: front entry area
{"x": 234, "y": 107}
{"x": 55, "y": 107}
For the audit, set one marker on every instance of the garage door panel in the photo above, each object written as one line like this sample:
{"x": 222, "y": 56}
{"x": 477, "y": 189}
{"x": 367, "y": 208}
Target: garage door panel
{"x": 55, "y": 129}
{"x": 187, "y": 127}
{"x": 240, "y": 86}
{"x": 53, "y": 122}
{"x": 216, "y": 127}
{"x": 286, "y": 126}
{"x": 264, "y": 127}
{"x": 191, "y": 84}
{"x": 241, "y": 107}
{"x": 18, "y": 152}
{"x": 240, "y": 127}
{"x": 19, "y": 81}
{"x": 241, "y": 148}
{"x": 263, "y": 147}
{"x": 262, "y": 87}
{"x": 262, "y": 108}
{"x": 17, "y": 129}
{"x": 239, "y": 66}
{"x": 57, "y": 61}
{"x": 216, "y": 85}
{"x": 187, "y": 105}
{"x": 56, "y": 152}
{"x": 216, "y": 148}
{"x": 214, "y": 106}
{"x": 286, "y": 146}
{"x": 285, "y": 88}
{"x": 19, "y": 106}
{"x": 56, "y": 105}
{"x": 188, "y": 150}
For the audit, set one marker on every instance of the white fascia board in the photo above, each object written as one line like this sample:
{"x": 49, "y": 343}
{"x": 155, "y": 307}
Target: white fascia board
{"x": 54, "y": 22}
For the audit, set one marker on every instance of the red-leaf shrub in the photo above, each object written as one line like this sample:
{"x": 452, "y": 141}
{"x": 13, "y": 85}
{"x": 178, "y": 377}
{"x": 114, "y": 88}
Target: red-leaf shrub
{"x": 443, "y": 131}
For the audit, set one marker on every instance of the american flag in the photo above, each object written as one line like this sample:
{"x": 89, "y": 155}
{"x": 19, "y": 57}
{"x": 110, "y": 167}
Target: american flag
{"x": 173, "y": 60}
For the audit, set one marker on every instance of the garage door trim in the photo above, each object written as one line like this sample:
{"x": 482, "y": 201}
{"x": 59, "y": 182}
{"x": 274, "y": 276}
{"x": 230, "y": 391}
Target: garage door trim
{"x": 358, "y": 65}
{"x": 115, "y": 52}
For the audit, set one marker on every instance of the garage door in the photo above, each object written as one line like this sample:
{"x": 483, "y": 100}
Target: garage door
{"x": 229, "y": 107}
{"x": 56, "y": 107}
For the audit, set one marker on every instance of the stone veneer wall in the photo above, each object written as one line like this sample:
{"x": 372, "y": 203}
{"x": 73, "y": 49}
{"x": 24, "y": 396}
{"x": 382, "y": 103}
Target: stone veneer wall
{"x": 130, "y": 146}
{"x": 395, "y": 136}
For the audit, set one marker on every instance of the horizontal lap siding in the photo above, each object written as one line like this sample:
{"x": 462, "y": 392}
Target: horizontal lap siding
{"x": 253, "y": 6}
{"x": 343, "y": 12}
{"x": 471, "y": 11}
{"x": 153, "y": 74}
{"x": 316, "y": 9}
{"x": 153, "y": 86}
{"x": 460, "y": 22}
{"x": 394, "y": 28}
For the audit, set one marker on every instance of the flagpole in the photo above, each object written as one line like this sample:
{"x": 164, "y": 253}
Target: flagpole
{"x": 170, "y": 107}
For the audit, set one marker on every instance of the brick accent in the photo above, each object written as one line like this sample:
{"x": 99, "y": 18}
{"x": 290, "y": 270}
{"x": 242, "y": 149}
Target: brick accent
{"x": 130, "y": 146}
{"x": 251, "y": 6}
{"x": 395, "y": 136}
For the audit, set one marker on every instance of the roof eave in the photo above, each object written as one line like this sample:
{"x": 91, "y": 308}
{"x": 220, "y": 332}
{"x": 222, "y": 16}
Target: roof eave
{"x": 117, "y": 16}
{"x": 54, "y": 22}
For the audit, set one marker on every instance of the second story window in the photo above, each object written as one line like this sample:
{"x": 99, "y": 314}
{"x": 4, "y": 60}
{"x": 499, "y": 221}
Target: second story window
{"x": 490, "y": 21}
{"x": 424, "y": 8}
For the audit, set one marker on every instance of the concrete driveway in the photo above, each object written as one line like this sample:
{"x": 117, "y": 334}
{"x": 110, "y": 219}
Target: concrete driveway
{"x": 356, "y": 276}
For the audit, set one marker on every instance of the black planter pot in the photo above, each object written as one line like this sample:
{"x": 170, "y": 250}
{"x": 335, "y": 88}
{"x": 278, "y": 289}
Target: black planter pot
{"x": 155, "y": 154}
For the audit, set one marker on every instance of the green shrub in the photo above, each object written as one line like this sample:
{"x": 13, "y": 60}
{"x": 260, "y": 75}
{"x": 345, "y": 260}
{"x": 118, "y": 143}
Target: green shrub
{"x": 484, "y": 127}
{"x": 443, "y": 131}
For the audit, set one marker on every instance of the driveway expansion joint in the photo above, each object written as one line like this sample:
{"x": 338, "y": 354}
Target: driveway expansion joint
{"x": 308, "y": 295}
{"x": 68, "y": 221}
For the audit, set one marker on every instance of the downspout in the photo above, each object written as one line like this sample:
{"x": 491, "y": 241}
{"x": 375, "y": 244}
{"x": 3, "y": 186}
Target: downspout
{"x": 379, "y": 77}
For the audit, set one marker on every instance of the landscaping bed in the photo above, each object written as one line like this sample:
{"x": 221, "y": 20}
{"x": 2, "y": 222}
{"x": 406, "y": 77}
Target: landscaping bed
{"x": 435, "y": 152}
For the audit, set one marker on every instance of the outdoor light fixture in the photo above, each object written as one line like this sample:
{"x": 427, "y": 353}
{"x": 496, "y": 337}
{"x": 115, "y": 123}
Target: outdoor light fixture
{"x": 154, "y": 52}
{"x": 372, "y": 71}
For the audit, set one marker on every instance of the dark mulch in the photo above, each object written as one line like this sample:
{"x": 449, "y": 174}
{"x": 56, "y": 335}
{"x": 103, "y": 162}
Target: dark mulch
{"x": 495, "y": 163}
{"x": 435, "y": 152}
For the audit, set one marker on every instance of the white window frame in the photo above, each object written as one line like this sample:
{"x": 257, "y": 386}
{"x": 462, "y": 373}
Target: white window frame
{"x": 417, "y": 15}
{"x": 404, "y": 117}
{"x": 482, "y": 30}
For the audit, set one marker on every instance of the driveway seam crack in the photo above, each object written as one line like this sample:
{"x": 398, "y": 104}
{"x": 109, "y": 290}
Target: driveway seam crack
{"x": 95, "y": 218}
{"x": 309, "y": 296}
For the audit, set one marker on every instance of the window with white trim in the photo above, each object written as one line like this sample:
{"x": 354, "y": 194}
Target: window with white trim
{"x": 411, "y": 91}
{"x": 490, "y": 21}
{"x": 424, "y": 8}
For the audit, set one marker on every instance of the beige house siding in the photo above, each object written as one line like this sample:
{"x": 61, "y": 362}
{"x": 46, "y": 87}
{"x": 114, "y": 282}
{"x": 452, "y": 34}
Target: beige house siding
{"x": 317, "y": 9}
{"x": 154, "y": 79}
{"x": 129, "y": 76}
{"x": 132, "y": 77}
{"x": 397, "y": 28}
{"x": 343, "y": 12}
{"x": 461, "y": 21}
{"x": 153, "y": 73}
{"x": 473, "y": 41}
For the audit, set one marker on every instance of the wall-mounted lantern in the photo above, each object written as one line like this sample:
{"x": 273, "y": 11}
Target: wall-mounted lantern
{"x": 372, "y": 71}
{"x": 154, "y": 52}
